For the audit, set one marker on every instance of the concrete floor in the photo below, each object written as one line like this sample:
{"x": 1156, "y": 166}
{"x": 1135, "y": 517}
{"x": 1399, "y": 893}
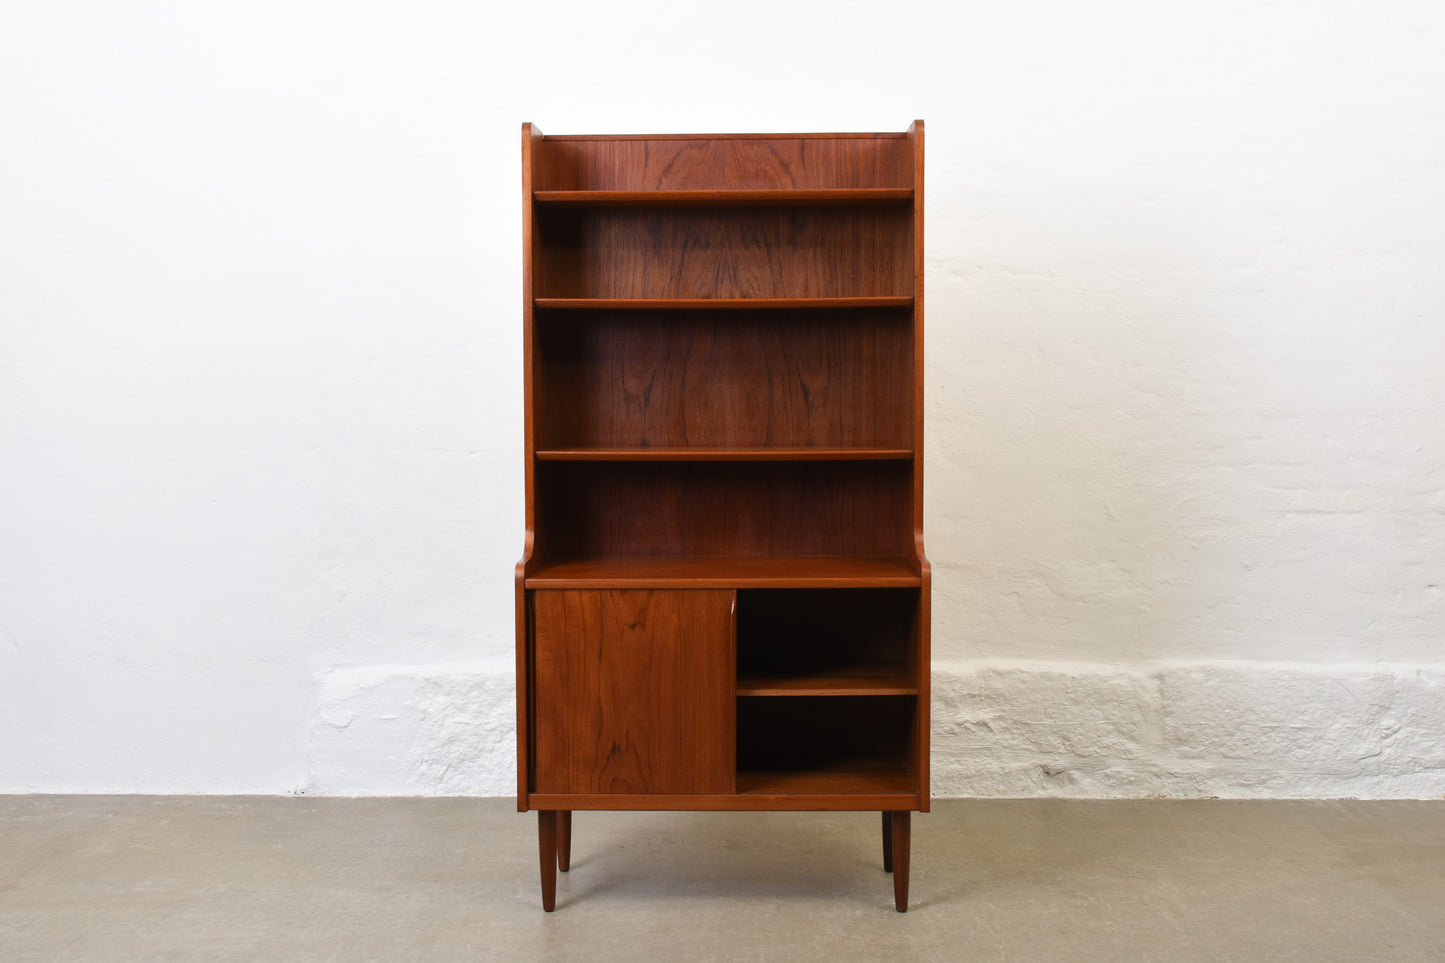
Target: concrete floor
{"x": 269, "y": 879}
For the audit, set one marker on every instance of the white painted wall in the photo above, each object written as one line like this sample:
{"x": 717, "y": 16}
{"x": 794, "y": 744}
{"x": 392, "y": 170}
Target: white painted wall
{"x": 260, "y": 426}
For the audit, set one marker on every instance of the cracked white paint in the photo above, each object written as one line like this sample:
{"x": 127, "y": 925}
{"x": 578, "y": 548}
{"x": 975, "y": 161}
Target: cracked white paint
{"x": 415, "y": 730}
{"x": 1000, "y": 728}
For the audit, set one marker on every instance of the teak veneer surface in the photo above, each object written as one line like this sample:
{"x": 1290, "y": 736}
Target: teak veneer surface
{"x": 723, "y": 601}
{"x": 748, "y": 252}
{"x": 725, "y": 198}
{"x": 725, "y": 379}
{"x": 719, "y": 304}
{"x": 723, "y": 509}
{"x": 664, "y": 571}
{"x": 622, "y": 704}
{"x": 669, "y": 163}
{"x": 738, "y": 453}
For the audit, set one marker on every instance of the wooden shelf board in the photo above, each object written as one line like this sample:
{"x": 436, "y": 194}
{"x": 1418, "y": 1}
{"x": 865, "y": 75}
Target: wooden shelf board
{"x": 860, "y": 777}
{"x": 757, "y": 801}
{"x": 716, "y": 304}
{"x": 694, "y": 572}
{"x": 762, "y": 453}
{"x": 839, "y": 135}
{"x": 827, "y": 686}
{"x": 727, "y": 198}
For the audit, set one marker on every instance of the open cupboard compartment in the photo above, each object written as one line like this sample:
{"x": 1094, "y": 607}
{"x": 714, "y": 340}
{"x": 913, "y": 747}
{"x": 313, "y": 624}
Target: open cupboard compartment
{"x": 857, "y": 641}
{"x": 826, "y": 744}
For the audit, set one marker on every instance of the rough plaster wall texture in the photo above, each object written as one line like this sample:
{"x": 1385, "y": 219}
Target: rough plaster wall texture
{"x": 1000, "y": 728}
{"x": 260, "y": 391}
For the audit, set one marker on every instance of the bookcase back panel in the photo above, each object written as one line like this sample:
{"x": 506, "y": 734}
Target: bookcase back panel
{"x": 779, "y": 509}
{"x": 725, "y": 378}
{"x": 671, "y": 164}
{"x": 746, "y": 252}
{"x": 785, "y": 633}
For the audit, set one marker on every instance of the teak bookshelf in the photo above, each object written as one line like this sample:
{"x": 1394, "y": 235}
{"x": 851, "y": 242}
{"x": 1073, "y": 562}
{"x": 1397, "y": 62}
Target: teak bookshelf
{"x": 723, "y": 601}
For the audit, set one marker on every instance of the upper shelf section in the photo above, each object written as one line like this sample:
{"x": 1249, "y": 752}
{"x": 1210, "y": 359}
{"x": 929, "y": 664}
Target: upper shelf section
{"x": 832, "y": 197}
{"x": 786, "y": 163}
{"x": 827, "y": 251}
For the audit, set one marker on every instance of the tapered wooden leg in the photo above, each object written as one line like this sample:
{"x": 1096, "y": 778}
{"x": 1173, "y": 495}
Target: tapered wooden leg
{"x": 564, "y": 839}
{"x": 887, "y": 842}
{"x": 900, "y": 859}
{"x": 547, "y": 849}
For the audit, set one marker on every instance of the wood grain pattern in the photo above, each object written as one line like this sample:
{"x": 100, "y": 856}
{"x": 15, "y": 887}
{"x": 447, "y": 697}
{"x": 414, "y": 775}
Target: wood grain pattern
{"x": 901, "y": 825}
{"x": 726, "y": 198}
{"x": 740, "y": 453}
{"x": 922, "y": 648}
{"x": 785, "y": 162}
{"x": 531, "y": 139}
{"x": 752, "y": 800}
{"x": 718, "y": 304}
{"x": 564, "y": 840}
{"x": 634, "y": 691}
{"x": 662, "y": 379}
{"x": 724, "y": 392}
{"x": 746, "y": 252}
{"x": 547, "y": 856}
{"x": 761, "y": 572}
{"x": 724, "y": 509}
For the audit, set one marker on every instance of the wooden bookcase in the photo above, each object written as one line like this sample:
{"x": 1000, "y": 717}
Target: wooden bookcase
{"x": 723, "y": 601}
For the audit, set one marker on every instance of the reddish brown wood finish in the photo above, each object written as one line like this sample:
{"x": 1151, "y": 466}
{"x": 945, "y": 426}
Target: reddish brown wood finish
{"x": 731, "y": 379}
{"x": 719, "y": 304}
{"x": 750, "y": 252}
{"x": 728, "y": 198}
{"x": 599, "y": 510}
{"x": 741, "y": 453}
{"x": 887, "y": 842}
{"x": 706, "y": 162}
{"x": 634, "y": 691}
{"x": 800, "y": 793}
{"x": 564, "y": 840}
{"x": 923, "y": 622}
{"x": 723, "y": 601}
{"x": 531, "y": 157}
{"x": 676, "y": 572}
{"x": 547, "y": 856}
{"x": 902, "y": 831}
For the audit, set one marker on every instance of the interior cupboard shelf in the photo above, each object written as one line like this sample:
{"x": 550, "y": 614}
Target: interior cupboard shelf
{"x": 840, "y": 685}
{"x": 727, "y": 198}
{"x": 740, "y": 572}
{"x": 741, "y": 453}
{"x": 860, "y": 776}
{"x": 716, "y": 304}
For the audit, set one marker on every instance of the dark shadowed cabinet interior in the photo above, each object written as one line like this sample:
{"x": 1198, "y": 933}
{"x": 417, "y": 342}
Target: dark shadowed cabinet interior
{"x": 723, "y": 602}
